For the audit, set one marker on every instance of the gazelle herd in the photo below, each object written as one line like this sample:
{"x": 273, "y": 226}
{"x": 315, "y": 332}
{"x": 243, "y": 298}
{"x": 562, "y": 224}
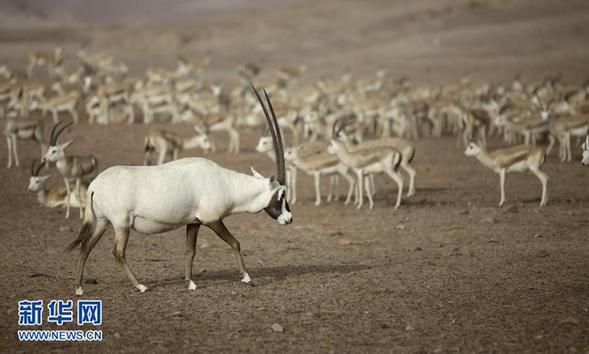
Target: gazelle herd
{"x": 350, "y": 128}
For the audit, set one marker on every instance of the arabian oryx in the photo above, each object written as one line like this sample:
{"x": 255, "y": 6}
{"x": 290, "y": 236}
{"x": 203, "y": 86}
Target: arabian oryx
{"x": 189, "y": 191}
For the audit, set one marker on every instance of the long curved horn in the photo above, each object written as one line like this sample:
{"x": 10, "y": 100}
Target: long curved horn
{"x": 58, "y": 132}
{"x": 280, "y": 157}
{"x": 272, "y": 132}
{"x": 52, "y": 136}
{"x": 35, "y": 170}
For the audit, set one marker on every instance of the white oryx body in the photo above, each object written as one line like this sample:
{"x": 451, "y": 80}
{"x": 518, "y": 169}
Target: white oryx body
{"x": 165, "y": 197}
{"x": 188, "y": 192}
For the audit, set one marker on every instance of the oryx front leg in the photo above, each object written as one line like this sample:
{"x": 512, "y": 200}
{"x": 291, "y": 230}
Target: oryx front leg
{"x": 119, "y": 250}
{"x": 9, "y": 145}
{"x": 15, "y": 151}
{"x": 219, "y": 228}
{"x": 191, "y": 237}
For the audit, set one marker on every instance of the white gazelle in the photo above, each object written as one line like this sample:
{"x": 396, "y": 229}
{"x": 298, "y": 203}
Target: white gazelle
{"x": 188, "y": 192}
{"x": 518, "y": 158}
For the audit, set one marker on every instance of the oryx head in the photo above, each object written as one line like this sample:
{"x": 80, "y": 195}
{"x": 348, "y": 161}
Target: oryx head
{"x": 36, "y": 182}
{"x": 585, "y": 147}
{"x": 56, "y": 151}
{"x": 277, "y": 206}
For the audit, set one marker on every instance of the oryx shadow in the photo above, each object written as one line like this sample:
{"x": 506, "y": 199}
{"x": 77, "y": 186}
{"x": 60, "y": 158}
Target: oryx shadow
{"x": 265, "y": 275}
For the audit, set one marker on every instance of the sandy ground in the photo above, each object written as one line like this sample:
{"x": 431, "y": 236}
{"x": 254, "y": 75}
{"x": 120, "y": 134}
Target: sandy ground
{"x": 447, "y": 272}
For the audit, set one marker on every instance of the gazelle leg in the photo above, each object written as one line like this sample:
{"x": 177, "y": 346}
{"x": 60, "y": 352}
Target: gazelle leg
{"x": 568, "y": 147}
{"x": 336, "y": 189}
{"x": 162, "y": 156}
{"x": 219, "y": 228}
{"x": 411, "y": 172}
{"x": 360, "y": 178}
{"x": 175, "y": 154}
{"x": 78, "y": 196}
{"x": 544, "y": 180}
{"x": 351, "y": 186}
{"x": 67, "y": 199}
{"x": 332, "y": 181}
{"x": 55, "y": 116}
{"x": 368, "y": 192}
{"x": 293, "y": 185}
{"x": 317, "y": 177}
{"x": 85, "y": 250}
{"x": 502, "y": 185}
{"x": 120, "y": 247}
{"x": 399, "y": 181}
{"x": 191, "y": 236}
{"x": 15, "y": 150}
{"x": 9, "y": 144}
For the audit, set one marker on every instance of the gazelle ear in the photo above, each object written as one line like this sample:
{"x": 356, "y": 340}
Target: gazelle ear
{"x": 256, "y": 173}
{"x": 198, "y": 130}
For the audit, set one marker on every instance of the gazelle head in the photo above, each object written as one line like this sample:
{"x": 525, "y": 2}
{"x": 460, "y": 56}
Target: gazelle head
{"x": 202, "y": 139}
{"x": 36, "y": 182}
{"x": 472, "y": 149}
{"x": 277, "y": 206}
{"x": 338, "y": 138}
{"x": 55, "y": 151}
{"x": 585, "y": 147}
{"x": 264, "y": 144}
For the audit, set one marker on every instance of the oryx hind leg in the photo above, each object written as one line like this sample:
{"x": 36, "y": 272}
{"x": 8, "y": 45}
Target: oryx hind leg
{"x": 119, "y": 250}
{"x": 85, "y": 249}
{"x": 221, "y": 230}
{"x": 191, "y": 237}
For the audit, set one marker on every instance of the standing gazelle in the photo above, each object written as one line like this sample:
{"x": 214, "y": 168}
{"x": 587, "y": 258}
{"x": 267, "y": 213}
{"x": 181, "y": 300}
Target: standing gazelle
{"x": 189, "y": 191}
{"x": 366, "y": 162}
{"x": 519, "y": 158}
{"x": 22, "y": 129}
{"x": 165, "y": 143}
{"x": 72, "y": 168}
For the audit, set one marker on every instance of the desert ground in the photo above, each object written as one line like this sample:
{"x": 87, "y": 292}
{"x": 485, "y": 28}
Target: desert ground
{"x": 449, "y": 271}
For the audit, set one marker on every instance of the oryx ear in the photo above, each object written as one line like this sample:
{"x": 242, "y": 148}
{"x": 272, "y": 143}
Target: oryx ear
{"x": 256, "y": 173}
{"x": 44, "y": 178}
{"x": 67, "y": 144}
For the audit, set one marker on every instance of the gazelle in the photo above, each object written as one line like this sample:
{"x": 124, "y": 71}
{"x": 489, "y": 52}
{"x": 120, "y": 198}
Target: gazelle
{"x": 565, "y": 127}
{"x": 72, "y": 168}
{"x": 404, "y": 146}
{"x": 53, "y": 197}
{"x": 585, "y": 148}
{"x": 50, "y": 59}
{"x": 321, "y": 164}
{"x": 23, "y": 129}
{"x": 165, "y": 143}
{"x": 188, "y": 192}
{"x": 367, "y": 162}
{"x": 519, "y": 158}
{"x": 62, "y": 103}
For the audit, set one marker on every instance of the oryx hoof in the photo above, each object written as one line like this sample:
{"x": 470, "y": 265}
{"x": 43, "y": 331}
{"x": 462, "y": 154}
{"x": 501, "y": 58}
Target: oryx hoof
{"x": 142, "y": 288}
{"x": 79, "y": 291}
{"x": 191, "y": 285}
{"x": 247, "y": 280}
